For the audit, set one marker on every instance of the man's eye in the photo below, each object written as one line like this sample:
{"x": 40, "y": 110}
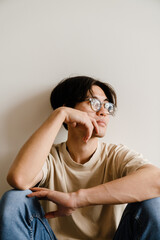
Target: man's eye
{"x": 109, "y": 107}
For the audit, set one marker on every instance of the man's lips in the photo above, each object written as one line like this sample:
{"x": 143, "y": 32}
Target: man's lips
{"x": 101, "y": 123}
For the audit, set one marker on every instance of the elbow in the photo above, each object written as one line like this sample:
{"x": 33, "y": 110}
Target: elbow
{"x": 16, "y": 181}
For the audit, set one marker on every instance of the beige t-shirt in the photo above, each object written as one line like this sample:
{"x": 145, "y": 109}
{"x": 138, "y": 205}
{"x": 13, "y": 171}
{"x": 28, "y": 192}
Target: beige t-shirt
{"x": 61, "y": 173}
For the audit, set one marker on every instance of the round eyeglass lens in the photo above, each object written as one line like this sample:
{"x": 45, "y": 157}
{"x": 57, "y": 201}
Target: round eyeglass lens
{"x": 109, "y": 107}
{"x": 96, "y": 105}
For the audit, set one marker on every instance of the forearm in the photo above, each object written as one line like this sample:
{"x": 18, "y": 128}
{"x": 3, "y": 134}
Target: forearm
{"x": 30, "y": 159}
{"x": 141, "y": 185}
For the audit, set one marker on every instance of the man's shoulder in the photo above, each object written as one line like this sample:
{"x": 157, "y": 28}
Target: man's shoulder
{"x": 111, "y": 149}
{"x": 112, "y": 146}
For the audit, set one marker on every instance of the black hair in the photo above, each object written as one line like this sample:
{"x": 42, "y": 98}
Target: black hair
{"x": 73, "y": 90}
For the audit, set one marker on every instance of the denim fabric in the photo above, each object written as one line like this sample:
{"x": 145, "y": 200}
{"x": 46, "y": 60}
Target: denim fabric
{"x": 22, "y": 218}
{"x": 140, "y": 221}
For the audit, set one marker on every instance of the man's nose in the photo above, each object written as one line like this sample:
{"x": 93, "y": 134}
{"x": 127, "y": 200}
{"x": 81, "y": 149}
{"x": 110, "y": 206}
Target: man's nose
{"x": 102, "y": 111}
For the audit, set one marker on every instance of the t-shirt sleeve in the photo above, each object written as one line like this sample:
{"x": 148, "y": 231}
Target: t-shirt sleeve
{"x": 125, "y": 161}
{"x": 46, "y": 169}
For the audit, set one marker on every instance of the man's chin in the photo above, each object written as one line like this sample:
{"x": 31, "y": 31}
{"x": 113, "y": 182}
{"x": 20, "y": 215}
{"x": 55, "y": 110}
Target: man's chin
{"x": 98, "y": 135}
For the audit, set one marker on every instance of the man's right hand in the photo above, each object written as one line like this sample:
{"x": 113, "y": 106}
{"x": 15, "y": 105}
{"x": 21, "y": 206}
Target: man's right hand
{"x": 77, "y": 118}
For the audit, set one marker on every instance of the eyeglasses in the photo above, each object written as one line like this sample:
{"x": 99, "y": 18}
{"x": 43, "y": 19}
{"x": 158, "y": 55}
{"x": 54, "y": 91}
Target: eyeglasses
{"x": 96, "y": 105}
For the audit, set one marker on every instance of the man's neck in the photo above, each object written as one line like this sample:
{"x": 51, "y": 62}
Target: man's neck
{"x": 80, "y": 151}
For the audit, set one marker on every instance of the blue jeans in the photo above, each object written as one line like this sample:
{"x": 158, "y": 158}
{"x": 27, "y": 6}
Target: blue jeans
{"x": 22, "y": 218}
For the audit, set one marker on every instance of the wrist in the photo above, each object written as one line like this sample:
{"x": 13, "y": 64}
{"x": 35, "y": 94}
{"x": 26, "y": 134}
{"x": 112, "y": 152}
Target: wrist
{"x": 91, "y": 196}
{"x": 80, "y": 198}
{"x": 60, "y": 113}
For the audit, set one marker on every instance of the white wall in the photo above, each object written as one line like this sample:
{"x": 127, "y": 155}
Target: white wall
{"x": 43, "y": 41}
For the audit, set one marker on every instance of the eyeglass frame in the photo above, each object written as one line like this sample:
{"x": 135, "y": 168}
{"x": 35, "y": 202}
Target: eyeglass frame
{"x": 101, "y": 103}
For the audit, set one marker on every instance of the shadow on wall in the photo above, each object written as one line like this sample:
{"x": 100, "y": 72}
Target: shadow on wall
{"x": 19, "y": 124}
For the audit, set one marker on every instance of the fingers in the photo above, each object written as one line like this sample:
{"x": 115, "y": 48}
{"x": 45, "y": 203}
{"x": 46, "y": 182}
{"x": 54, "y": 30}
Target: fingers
{"x": 37, "y": 194}
{"x": 91, "y": 125}
{"x": 77, "y": 118}
{"x": 47, "y": 194}
{"x": 40, "y": 193}
{"x": 62, "y": 200}
{"x": 54, "y": 214}
{"x": 74, "y": 124}
{"x": 59, "y": 213}
{"x": 34, "y": 189}
{"x": 96, "y": 128}
{"x": 51, "y": 215}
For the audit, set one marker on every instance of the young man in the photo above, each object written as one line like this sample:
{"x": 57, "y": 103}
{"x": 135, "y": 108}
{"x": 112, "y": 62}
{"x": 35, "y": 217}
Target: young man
{"x": 81, "y": 181}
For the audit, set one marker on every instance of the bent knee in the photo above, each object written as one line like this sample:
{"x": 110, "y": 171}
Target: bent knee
{"x": 12, "y": 200}
{"x": 15, "y": 195}
{"x": 152, "y": 205}
{"x": 151, "y": 209}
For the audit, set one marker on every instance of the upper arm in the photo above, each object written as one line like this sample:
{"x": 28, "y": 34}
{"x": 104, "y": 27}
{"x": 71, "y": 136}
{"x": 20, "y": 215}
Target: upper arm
{"x": 149, "y": 167}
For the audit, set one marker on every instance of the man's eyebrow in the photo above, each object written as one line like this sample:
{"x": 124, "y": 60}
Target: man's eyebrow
{"x": 99, "y": 99}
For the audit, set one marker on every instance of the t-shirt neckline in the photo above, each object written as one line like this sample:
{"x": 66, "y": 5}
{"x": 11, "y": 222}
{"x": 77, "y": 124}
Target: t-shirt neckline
{"x": 70, "y": 162}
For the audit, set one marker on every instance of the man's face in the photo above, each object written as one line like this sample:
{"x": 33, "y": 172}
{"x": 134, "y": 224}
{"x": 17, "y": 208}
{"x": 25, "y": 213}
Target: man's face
{"x": 101, "y": 116}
